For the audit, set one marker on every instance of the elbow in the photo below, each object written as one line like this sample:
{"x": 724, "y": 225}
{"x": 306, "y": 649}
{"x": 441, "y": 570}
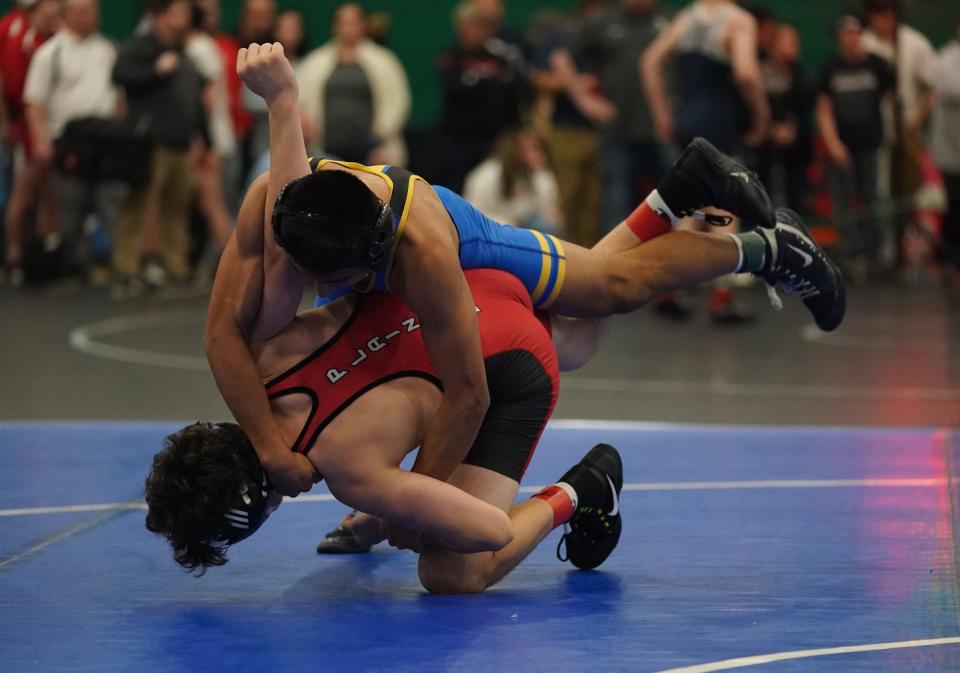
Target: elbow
{"x": 500, "y": 532}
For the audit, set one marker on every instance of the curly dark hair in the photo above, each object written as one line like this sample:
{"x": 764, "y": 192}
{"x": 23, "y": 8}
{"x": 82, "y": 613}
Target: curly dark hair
{"x": 192, "y": 482}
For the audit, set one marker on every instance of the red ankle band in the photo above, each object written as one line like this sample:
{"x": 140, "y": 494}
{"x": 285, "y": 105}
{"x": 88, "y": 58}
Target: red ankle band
{"x": 559, "y": 502}
{"x": 646, "y": 223}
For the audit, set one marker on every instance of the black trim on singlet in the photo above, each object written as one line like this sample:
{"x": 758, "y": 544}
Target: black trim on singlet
{"x": 314, "y": 403}
{"x": 401, "y": 179}
{"x": 430, "y": 378}
{"x": 328, "y": 344}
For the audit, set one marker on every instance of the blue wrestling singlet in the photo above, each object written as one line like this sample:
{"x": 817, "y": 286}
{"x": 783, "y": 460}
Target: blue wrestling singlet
{"x": 538, "y": 260}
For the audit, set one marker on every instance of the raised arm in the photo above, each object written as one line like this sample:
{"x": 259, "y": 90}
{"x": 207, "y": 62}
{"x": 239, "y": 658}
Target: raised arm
{"x": 428, "y": 276}
{"x": 250, "y": 302}
{"x": 267, "y": 73}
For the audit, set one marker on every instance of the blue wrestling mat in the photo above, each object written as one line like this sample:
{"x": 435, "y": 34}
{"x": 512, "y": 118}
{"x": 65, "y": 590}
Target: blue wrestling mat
{"x": 833, "y": 549}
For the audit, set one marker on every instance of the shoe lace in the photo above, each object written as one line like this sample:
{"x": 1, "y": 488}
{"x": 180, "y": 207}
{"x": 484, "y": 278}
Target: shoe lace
{"x": 710, "y": 218}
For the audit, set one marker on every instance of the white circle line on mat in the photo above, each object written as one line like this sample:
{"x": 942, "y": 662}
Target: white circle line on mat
{"x": 743, "y": 662}
{"x": 767, "y": 484}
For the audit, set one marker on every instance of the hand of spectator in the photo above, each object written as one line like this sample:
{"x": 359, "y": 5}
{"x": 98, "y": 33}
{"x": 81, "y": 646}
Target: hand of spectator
{"x": 839, "y": 153}
{"x": 596, "y": 108}
{"x": 663, "y": 128}
{"x": 167, "y": 62}
{"x": 403, "y": 538}
{"x": 783, "y": 133}
{"x": 266, "y": 71}
{"x": 291, "y": 473}
{"x": 43, "y": 152}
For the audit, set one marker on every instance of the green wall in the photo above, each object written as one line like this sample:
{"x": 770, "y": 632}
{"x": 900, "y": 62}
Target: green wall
{"x": 421, "y": 28}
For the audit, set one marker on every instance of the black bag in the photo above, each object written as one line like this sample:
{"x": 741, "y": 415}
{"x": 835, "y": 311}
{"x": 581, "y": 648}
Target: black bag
{"x": 95, "y": 148}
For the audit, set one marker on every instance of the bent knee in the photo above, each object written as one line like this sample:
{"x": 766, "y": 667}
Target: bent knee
{"x": 438, "y": 577}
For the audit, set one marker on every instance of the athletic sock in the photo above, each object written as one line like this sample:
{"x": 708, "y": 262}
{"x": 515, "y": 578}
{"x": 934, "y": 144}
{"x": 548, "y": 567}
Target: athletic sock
{"x": 563, "y": 500}
{"x": 651, "y": 218}
{"x": 753, "y": 251}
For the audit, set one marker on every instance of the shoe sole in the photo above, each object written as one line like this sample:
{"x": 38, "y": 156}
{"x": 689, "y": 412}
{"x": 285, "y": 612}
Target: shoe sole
{"x": 728, "y": 166}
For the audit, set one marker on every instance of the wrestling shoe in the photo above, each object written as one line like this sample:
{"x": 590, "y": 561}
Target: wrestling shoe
{"x": 704, "y": 176}
{"x": 341, "y": 541}
{"x": 796, "y": 265}
{"x": 594, "y": 530}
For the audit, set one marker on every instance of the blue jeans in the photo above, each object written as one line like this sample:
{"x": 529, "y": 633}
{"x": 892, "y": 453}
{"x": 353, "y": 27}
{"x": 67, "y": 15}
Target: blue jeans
{"x": 629, "y": 169}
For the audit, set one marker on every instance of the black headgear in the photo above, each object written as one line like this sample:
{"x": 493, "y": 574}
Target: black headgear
{"x": 379, "y": 238}
{"x": 249, "y": 509}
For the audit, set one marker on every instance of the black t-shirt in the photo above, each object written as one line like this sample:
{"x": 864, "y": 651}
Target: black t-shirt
{"x": 613, "y": 43}
{"x": 856, "y": 91}
{"x": 481, "y": 92}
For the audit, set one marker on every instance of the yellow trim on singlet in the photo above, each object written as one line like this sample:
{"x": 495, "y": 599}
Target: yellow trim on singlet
{"x": 404, "y": 214}
{"x": 373, "y": 170}
{"x": 561, "y": 273}
{"x": 547, "y": 266}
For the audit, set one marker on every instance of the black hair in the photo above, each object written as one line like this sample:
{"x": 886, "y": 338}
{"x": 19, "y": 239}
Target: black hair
{"x": 191, "y": 484}
{"x": 881, "y": 6}
{"x": 342, "y": 211}
{"x": 157, "y": 6}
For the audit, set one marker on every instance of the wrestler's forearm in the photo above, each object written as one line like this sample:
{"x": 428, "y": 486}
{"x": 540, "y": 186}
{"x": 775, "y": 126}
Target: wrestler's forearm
{"x": 242, "y": 389}
{"x": 449, "y": 437}
{"x": 288, "y": 155}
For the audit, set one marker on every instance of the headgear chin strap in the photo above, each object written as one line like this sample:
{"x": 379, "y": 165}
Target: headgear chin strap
{"x": 247, "y": 512}
{"x": 379, "y": 238}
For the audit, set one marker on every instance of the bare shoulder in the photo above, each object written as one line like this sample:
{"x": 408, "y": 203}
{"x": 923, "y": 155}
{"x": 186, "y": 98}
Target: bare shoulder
{"x": 742, "y": 19}
{"x": 378, "y": 429}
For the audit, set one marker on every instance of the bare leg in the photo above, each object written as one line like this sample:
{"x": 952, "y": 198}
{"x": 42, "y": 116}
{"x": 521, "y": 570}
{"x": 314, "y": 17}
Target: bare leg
{"x": 599, "y": 284}
{"x": 28, "y": 184}
{"x": 447, "y": 572}
{"x": 577, "y": 340}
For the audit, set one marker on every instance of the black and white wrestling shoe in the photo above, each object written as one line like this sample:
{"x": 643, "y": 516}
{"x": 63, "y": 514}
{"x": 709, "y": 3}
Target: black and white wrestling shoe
{"x": 704, "y": 176}
{"x": 796, "y": 265}
{"x": 594, "y": 530}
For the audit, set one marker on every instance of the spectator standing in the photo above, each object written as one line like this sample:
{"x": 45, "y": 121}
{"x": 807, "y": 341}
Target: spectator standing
{"x": 290, "y": 30}
{"x": 355, "y": 95}
{"x": 256, "y": 22}
{"x": 516, "y": 185}
{"x": 715, "y": 48}
{"x": 945, "y": 140}
{"x": 257, "y": 18}
{"x": 911, "y": 57}
{"x": 573, "y": 139}
{"x": 631, "y": 159}
{"x": 69, "y": 79}
{"x": 164, "y": 93}
{"x": 481, "y": 93}
{"x": 851, "y": 94}
{"x": 217, "y": 162}
{"x": 11, "y": 24}
{"x": 785, "y": 155}
{"x": 31, "y": 184}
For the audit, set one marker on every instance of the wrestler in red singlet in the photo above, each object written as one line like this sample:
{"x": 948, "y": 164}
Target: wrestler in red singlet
{"x": 382, "y": 341}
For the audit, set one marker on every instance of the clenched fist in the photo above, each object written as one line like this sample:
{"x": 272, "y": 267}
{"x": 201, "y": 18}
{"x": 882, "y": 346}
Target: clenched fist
{"x": 266, "y": 71}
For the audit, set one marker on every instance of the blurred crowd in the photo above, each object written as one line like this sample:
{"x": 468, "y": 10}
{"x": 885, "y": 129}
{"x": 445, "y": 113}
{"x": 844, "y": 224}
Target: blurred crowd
{"x": 124, "y": 165}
